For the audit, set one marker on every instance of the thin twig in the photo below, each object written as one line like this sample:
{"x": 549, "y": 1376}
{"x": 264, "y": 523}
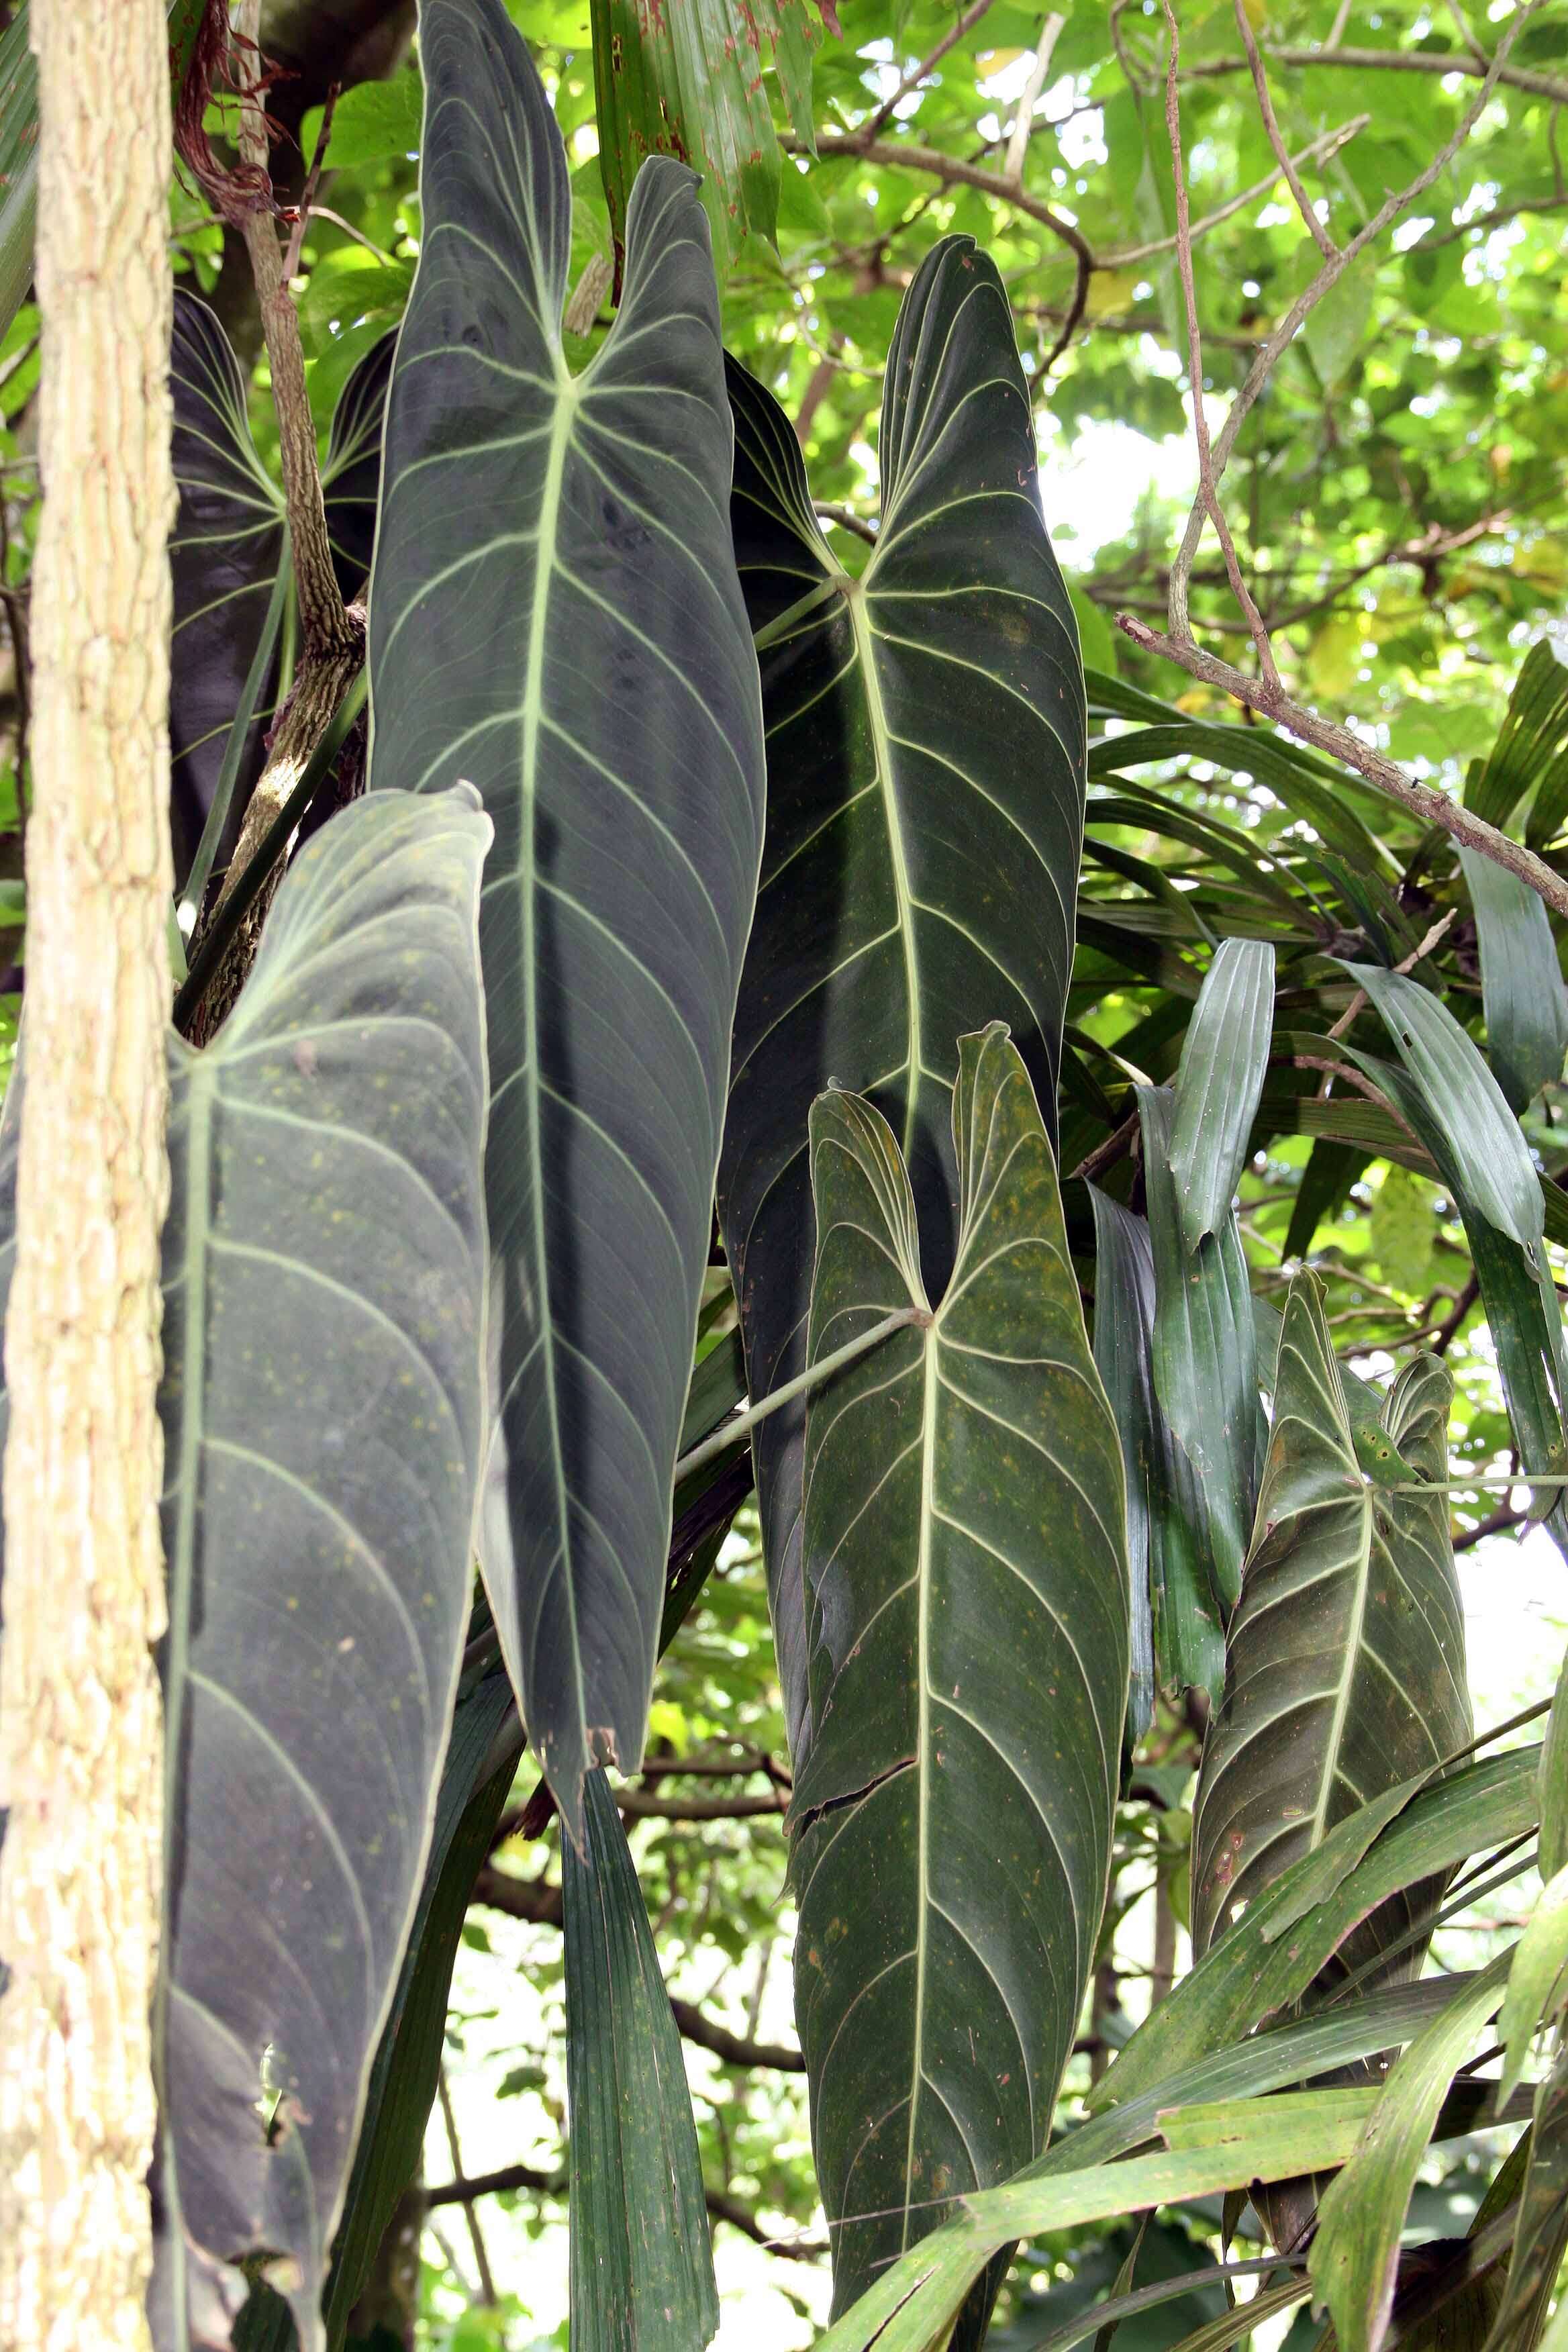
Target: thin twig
{"x": 312, "y": 182}
{"x": 1209, "y": 490}
{"x": 1497, "y": 1523}
{"x": 1442, "y": 1338}
{"x": 907, "y": 155}
{"x": 722, "y": 2208}
{"x": 911, "y": 81}
{"x": 475, "y": 2235}
{"x": 1304, "y": 205}
{"x": 1329, "y": 274}
{"x": 1029, "y": 99}
{"x": 1442, "y": 62}
{"x": 1432, "y": 807}
{"x": 847, "y": 519}
{"x": 1105, "y": 1155}
{"x": 1321, "y": 151}
{"x": 1352, "y": 1010}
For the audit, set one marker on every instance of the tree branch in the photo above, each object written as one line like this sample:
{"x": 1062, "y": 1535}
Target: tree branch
{"x": 868, "y": 132}
{"x": 1319, "y": 151}
{"x": 1432, "y": 807}
{"x": 723, "y": 2207}
{"x": 901, "y": 154}
{"x": 1422, "y": 61}
{"x": 1304, "y": 205}
{"x": 540, "y": 1903}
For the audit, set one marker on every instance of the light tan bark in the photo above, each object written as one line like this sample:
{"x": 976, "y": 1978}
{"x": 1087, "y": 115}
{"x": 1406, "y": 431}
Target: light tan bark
{"x": 80, "y": 1711}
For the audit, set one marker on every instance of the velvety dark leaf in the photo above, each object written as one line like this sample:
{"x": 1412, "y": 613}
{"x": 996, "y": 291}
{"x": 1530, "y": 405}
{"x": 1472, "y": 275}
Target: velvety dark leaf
{"x": 323, "y": 1284}
{"x": 642, "y": 2268}
{"x": 1345, "y": 1667}
{"x": 925, "y": 813}
{"x": 965, "y": 1556}
{"x": 1523, "y": 996}
{"x": 1204, "y": 1358}
{"x": 555, "y": 614}
{"x": 1177, "y": 1640}
{"x": 480, "y": 1762}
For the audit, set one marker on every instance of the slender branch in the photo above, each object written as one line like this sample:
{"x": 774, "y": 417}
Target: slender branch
{"x": 1029, "y": 99}
{"x": 847, "y": 519}
{"x": 911, "y": 81}
{"x": 1180, "y": 626}
{"x": 723, "y": 2207}
{"x": 1285, "y": 332}
{"x": 539, "y": 1902}
{"x": 1497, "y": 1523}
{"x": 1105, "y": 1155}
{"x": 741, "y": 1424}
{"x": 1441, "y": 62}
{"x": 1442, "y": 1338}
{"x": 308, "y": 195}
{"x": 1432, "y": 807}
{"x": 1321, "y": 151}
{"x": 643, "y": 1806}
{"x": 1304, "y": 205}
{"x": 908, "y": 155}
{"x": 475, "y": 2235}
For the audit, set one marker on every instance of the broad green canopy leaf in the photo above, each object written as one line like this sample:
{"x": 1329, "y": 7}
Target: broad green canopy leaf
{"x": 686, "y": 80}
{"x": 926, "y": 729}
{"x": 965, "y": 1554}
{"x": 642, "y": 2268}
{"x": 1346, "y": 1671}
{"x": 555, "y": 614}
{"x": 229, "y": 558}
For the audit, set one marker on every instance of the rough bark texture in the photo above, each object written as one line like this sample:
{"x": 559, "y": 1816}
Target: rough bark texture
{"x": 80, "y": 1709}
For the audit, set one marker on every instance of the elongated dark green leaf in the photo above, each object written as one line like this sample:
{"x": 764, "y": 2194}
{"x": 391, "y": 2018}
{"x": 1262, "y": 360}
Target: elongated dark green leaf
{"x": 323, "y": 1285}
{"x": 688, "y": 82}
{"x": 642, "y": 2269}
{"x": 925, "y": 816}
{"x": 1490, "y": 1157}
{"x": 480, "y": 1762}
{"x": 1271, "y": 1956}
{"x": 1218, "y": 1085}
{"x": 1525, "y": 1002}
{"x": 1531, "y": 753}
{"x": 228, "y": 546}
{"x": 1554, "y": 1781}
{"x": 965, "y": 1552}
{"x": 1346, "y": 1671}
{"x": 555, "y": 613}
{"x": 1206, "y": 1366}
{"x": 1176, "y": 1628}
{"x": 1331, "y": 1169}
{"x": 18, "y": 164}
{"x": 1355, "y": 2253}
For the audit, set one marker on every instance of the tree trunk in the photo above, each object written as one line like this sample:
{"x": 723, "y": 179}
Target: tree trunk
{"x": 80, "y": 1709}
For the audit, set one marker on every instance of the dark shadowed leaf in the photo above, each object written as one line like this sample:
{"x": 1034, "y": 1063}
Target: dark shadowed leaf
{"x": 1346, "y": 1671}
{"x": 965, "y": 1553}
{"x": 642, "y": 2268}
{"x": 688, "y": 82}
{"x": 1177, "y": 1635}
{"x": 1523, "y": 995}
{"x": 925, "y": 813}
{"x": 1206, "y": 1364}
{"x": 323, "y": 1284}
{"x": 229, "y": 547}
{"x": 555, "y": 615}
{"x": 1218, "y": 1085}
{"x": 1542, "y": 2231}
